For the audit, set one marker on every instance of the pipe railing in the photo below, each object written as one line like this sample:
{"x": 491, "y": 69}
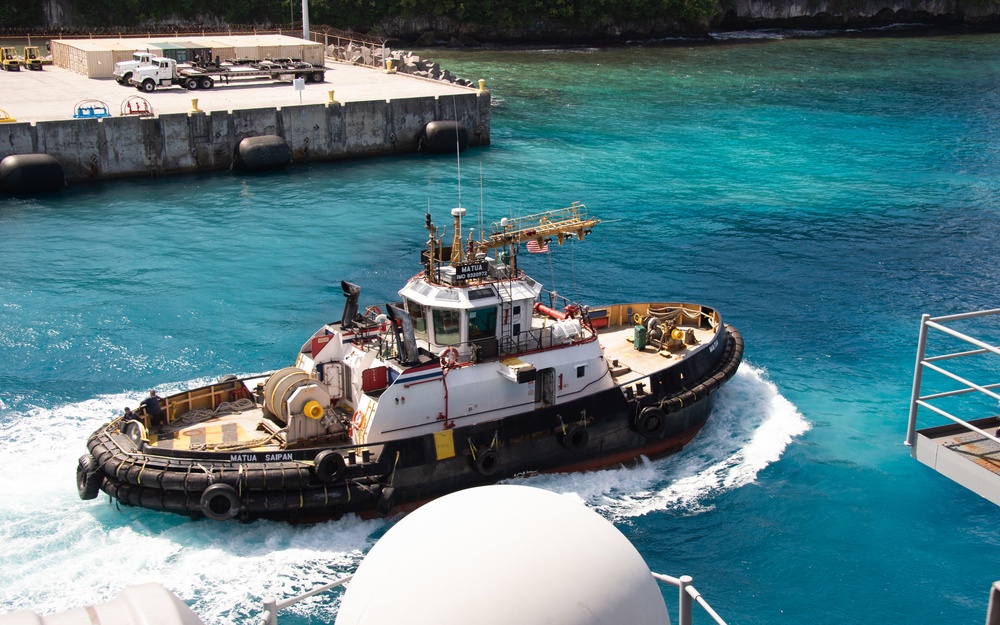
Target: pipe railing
{"x": 686, "y": 593}
{"x": 686, "y": 596}
{"x": 925, "y": 362}
{"x": 273, "y": 606}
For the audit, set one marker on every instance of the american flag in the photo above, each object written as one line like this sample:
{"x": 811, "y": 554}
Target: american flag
{"x": 535, "y": 248}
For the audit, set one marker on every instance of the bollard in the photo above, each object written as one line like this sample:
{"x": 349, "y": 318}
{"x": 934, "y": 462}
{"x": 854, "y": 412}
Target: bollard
{"x": 330, "y": 97}
{"x": 482, "y": 86}
{"x": 388, "y": 67}
{"x": 194, "y": 106}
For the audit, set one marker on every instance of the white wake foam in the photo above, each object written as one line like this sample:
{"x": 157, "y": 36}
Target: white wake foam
{"x": 750, "y": 427}
{"x": 61, "y": 553}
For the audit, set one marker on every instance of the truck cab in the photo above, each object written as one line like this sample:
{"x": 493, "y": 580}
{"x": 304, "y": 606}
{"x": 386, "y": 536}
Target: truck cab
{"x": 124, "y": 69}
{"x": 160, "y": 72}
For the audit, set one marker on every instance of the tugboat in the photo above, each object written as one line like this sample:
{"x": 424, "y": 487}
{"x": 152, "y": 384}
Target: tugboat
{"x": 467, "y": 380}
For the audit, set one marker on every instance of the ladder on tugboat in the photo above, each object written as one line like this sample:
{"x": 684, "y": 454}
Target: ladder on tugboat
{"x": 965, "y": 450}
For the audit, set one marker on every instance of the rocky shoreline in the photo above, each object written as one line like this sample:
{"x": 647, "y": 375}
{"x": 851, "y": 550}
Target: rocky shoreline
{"x": 393, "y": 61}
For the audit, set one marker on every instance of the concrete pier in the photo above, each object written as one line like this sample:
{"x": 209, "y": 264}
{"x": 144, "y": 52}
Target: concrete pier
{"x": 374, "y": 113}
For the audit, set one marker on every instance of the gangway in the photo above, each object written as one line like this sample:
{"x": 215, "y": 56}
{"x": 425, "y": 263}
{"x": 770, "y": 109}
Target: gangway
{"x": 960, "y": 385}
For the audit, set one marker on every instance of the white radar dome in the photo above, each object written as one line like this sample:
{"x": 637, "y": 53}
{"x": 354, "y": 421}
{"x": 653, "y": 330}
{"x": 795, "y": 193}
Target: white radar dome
{"x": 499, "y": 555}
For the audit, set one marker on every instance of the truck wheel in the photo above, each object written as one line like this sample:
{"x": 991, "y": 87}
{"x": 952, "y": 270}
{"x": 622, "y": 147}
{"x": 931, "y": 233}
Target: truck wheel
{"x": 318, "y": 77}
{"x": 126, "y": 79}
{"x": 207, "y": 82}
{"x": 191, "y": 83}
{"x": 148, "y": 85}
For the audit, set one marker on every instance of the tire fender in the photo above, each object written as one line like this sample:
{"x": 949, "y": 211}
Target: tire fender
{"x": 575, "y": 437}
{"x": 220, "y": 502}
{"x": 88, "y": 478}
{"x": 487, "y": 462}
{"x": 651, "y": 422}
{"x": 329, "y": 466}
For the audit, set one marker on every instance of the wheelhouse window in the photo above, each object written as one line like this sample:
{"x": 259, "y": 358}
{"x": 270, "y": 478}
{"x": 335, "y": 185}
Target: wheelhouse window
{"x": 447, "y": 328}
{"x": 417, "y": 318}
{"x": 482, "y": 323}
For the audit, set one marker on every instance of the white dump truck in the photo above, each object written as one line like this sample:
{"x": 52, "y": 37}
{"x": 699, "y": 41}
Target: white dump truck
{"x": 124, "y": 69}
{"x": 164, "y": 72}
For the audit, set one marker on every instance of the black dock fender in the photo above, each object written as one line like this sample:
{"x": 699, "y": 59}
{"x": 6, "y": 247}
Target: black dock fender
{"x": 263, "y": 153}
{"x": 30, "y": 174}
{"x": 443, "y": 137}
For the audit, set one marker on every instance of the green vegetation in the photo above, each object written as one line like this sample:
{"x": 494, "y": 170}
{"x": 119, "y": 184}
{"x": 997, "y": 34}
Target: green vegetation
{"x": 358, "y": 15}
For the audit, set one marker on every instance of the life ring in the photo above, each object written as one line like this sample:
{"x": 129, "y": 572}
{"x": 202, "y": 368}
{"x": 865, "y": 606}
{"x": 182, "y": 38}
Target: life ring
{"x": 329, "y": 466}
{"x": 373, "y": 311}
{"x": 88, "y": 479}
{"x": 651, "y": 422}
{"x": 220, "y": 502}
{"x": 448, "y": 357}
{"x": 575, "y": 437}
{"x": 487, "y": 461}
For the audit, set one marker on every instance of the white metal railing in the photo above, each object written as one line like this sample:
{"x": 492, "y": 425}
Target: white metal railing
{"x": 686, "y": 595}
{"x": 272, "y": 606}
{"x": 924, "y": 362}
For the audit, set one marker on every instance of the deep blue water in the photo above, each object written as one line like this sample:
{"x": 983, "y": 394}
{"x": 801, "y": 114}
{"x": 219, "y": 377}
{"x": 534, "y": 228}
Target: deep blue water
{"x": 822, "y": 193}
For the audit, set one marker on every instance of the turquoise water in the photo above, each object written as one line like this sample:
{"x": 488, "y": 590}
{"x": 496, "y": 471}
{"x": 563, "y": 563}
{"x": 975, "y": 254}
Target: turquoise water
{"x": 822, "y": 193}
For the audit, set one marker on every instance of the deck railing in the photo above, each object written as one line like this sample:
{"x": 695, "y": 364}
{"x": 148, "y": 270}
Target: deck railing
{"x": 687, "y": 595}
{"x": 931, "y": 363}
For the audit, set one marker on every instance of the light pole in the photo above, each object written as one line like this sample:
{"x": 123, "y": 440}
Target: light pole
{"x": 305, "y": 20}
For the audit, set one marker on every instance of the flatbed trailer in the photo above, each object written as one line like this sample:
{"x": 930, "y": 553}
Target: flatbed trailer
{"x": 164, "y": 72}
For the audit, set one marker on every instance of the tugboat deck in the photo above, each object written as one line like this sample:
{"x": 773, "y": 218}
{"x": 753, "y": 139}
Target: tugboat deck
{"x": 236, "y": 429}
{"x": 632, "y": 364}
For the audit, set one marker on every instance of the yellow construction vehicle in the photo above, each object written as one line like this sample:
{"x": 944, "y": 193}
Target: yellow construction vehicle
{"x": 8, "y": 59}
{"x": 31, "y": 59}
